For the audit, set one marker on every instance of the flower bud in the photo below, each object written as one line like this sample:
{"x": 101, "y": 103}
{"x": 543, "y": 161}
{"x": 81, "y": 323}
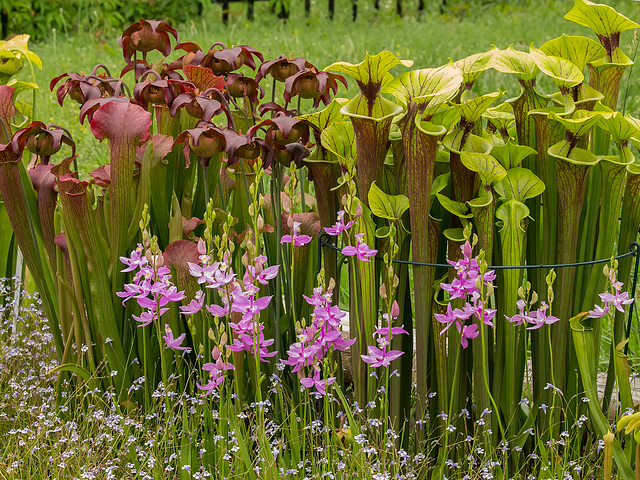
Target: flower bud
{"x": 395, "y": 309}
{"x": 202, "y": 247}
{"x": 215, "y": 353}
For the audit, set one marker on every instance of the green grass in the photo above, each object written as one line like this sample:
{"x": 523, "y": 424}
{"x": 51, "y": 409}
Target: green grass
{"x": 430, "y": 41}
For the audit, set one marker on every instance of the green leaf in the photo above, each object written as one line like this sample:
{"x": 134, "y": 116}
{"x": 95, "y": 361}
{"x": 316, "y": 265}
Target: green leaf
{"x": 340, "y": 139}
{"x": 564, "y": 73}
{"x": 501, "y": 117}
{"x": 21, "y": 86}
{"x": 577, "y": 49}
{"x": 23, "y": 108}
{"x": 382, "y": 232}
{"x": 440, "y": 183}
{"x": 511, "y": 154}
{"x": 454, "y": 234}
{"x": 476, "y": 144}
{"x": 585, "y": 348}
{"x": 390, "y": 207}
{"x": 515, "y": 62}
{"x": 487, "y": 167}
{"x": 7, "y": 252}
{"x": 459, "y": 209}
{"x": 78, "y": 370}
{"x": 472, "y": 110}
{"x": 484, "y": 199}
{"x": 602, "y": 19}
{"x": 372, "y": 69}
{"x": 519, "y": 184}
{"x": 621, "y": 127}
{"x": 580, "y": 122}
{"x": 331, "y": 114}
{"x": 378, "y": 109}
{"x": 473, "y": 66}
{"x": 430, "y": 86}
{"x": 576, "y": 156}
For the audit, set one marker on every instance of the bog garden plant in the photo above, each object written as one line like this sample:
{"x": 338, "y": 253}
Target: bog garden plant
{"x": 381, "y": 286}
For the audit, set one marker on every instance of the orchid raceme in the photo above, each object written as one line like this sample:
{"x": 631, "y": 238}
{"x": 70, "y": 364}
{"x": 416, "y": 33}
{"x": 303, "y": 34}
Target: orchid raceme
{"x": 537, "y": 318}
{"x": 151, "y": 287}
{"x": 339, "y": 226}
{"x": 465, "y": 286}
{"x": 318, "y": 340}
{"x": 217, "y": 368}
{"x": 616, "y": 298}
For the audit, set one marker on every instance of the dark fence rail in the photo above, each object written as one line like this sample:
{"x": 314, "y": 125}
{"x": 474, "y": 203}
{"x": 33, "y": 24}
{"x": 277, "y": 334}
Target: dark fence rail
{"x": 282, "y": 11}
{"x": 40, "y": 18}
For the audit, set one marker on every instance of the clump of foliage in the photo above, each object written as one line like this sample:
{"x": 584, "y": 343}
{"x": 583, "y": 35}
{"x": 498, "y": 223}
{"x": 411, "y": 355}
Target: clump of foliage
{"x": 189, "y": 262}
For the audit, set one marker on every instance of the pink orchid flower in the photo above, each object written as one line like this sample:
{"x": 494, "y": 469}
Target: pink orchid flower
{"x": 174, "y": 343}
{"x": 361, "y": 250}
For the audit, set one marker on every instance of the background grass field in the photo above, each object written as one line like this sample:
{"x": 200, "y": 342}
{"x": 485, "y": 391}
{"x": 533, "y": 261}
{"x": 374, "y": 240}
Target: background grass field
{"x": 430, "y": 41}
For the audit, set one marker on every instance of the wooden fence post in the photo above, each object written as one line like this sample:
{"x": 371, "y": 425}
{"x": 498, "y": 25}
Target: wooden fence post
{"x": 250, "y": 10}
{"x": 307, "y": 8}
{"x": 354, "y": 10}
{"x": 225, "y": 11}
{"x": 399, "y": 8}
{"x": 332, "y": 9}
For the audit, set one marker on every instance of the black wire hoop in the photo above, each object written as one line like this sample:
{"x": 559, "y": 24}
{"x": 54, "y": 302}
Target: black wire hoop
{"x": 634, "y": 250}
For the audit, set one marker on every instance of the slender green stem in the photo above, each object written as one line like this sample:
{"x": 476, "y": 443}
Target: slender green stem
{"x": 445, "y": 450}
{"x": 144, "y": 370}
{"x": 205, "y": 182}
{"x": 244, "y": 181}
{"x": 293, "y": 297}
{"x": 553, "y": 381}
{"x": 486, "y": 380}
{"x": 302, "y": 182}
